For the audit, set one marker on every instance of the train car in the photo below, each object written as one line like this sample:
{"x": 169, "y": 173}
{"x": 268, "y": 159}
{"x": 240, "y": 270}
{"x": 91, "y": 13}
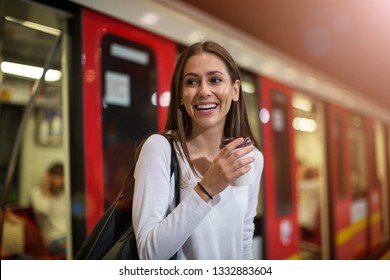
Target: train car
{"x": 325, "y": 188}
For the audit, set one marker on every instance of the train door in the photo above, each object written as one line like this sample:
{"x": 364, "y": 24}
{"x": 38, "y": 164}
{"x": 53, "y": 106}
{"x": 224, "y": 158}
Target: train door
{"x": 339, "y": 189}
{"x": 126, "y": 78}
{"x": 378, "y": 223}
{"x": 362, "y": 166}
{"x": 357, "y": 176}
{"x": 348, "y": 161}
{"x": 309, "y": 134}
{"x": 280, "y": 197}
{"x": 33, "y": 128}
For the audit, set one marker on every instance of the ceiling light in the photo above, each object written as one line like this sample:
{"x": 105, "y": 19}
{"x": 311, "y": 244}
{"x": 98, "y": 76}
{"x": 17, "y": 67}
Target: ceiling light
{"x": 150, "y": 18}
{"x": 304, "y": 124}
{"x": 264, "y": 115}
{"x": 302, "y": 104}
{"x": 248, "y": 87}
{"x": 28, "y": 71}
{"x": 35, "y": 26}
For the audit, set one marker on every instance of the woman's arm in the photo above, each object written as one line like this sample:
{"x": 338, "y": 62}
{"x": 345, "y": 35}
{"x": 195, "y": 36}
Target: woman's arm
{"x": 160, "y": 236}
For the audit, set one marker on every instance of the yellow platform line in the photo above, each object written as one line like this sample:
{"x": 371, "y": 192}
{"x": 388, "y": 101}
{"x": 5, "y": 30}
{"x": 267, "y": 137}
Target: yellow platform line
{"x": 385, "y": 256}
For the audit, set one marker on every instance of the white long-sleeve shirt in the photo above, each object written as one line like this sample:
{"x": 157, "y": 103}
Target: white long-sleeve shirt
{"x": 50, "y": 213}
{"x": 220, "y": 229}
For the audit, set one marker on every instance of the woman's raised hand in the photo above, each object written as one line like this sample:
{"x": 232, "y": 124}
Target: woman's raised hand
{"x": 227, "y": 166}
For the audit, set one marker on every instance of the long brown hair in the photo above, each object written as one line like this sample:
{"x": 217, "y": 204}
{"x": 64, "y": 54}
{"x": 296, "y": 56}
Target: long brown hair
{"x": 179, "y": 122}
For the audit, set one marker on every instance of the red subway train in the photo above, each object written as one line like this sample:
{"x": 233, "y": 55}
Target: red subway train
{"x": 326, "y": 184}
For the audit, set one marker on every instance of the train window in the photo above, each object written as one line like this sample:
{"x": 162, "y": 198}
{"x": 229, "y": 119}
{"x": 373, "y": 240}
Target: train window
{"x": 381, "y": 179}
{"x": 129, "y": 106}
{"x": 252, "y": 102}
{"x": 340, "y": 154}
{"x": 10, "y": 118}
{"x": 282, "y": 158}
{"x": 380, "y": 155}
{"x": 358, "y": 158}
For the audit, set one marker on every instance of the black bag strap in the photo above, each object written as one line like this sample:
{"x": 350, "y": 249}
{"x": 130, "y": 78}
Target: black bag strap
{"x": 174, "y": 170}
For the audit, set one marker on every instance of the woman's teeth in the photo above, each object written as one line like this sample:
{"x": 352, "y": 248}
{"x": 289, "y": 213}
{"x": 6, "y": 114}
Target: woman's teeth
{"x": 206, "y": 106}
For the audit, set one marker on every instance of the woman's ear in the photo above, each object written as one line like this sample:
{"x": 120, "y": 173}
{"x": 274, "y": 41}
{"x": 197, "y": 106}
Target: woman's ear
{"x": 236, "y": 90}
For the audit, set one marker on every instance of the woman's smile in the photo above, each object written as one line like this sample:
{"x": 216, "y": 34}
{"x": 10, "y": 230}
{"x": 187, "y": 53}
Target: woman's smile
{"x": 206, "y": 108}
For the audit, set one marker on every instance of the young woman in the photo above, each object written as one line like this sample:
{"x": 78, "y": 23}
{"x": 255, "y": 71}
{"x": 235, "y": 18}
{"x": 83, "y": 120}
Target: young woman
{"x": 214, "y": 219}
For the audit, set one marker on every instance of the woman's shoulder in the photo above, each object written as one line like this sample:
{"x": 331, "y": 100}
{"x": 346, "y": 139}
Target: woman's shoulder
{"x": 156, "y": 142}
{"x": 156, "y": 138}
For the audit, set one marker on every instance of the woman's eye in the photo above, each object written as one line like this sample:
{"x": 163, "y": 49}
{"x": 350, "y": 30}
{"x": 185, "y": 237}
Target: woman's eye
{"x": 215, "y": 80}
{"x": 191, "y": 82}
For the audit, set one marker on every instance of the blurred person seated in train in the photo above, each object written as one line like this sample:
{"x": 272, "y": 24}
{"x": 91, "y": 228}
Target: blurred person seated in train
{"x": 49, "y": 205}
{"x": 308, "y": 202}
{"x": 215, "y": 218}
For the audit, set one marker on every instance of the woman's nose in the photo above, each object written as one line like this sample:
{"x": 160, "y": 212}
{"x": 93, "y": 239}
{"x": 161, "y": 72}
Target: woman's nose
{"x": 204, "y": 90}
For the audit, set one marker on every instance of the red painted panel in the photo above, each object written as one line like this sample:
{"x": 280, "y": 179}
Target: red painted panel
{"x": 281, "y": 233}
{"x": 95, "y": 26}
{"x": 340, "y": 202}
{"x": 360, "y": 245}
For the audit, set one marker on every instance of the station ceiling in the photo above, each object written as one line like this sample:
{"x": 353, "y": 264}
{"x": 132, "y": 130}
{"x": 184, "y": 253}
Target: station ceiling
{"x": 348, "y": 40}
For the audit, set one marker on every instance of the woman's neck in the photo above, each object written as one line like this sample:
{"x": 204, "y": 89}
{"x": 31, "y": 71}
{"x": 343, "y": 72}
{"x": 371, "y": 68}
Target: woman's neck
{"x": 205, "y": 145}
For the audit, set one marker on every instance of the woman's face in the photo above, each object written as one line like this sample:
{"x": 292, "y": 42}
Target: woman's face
{"x": 208, "y": 91}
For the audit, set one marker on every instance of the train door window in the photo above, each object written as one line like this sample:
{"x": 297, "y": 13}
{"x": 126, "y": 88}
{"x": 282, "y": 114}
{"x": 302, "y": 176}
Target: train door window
{"x": 129, "y": 106}
{"x": 281, "y": 152}
{"x": 358, "y": 159}
{"x": 340, "y": 136}
{"x": 10, "y": 118}
{"x": 308, "y": 124}
{"x": 252, "y": 102}
{"x": 339, "y": 131}
{"x": 381, "y": 176}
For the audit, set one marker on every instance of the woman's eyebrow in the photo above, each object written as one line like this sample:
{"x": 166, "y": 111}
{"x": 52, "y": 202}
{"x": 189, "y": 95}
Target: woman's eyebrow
{"x": 214, "y": 72}
{"x": 190, "y": 74}
{"x": 208, "y": 73}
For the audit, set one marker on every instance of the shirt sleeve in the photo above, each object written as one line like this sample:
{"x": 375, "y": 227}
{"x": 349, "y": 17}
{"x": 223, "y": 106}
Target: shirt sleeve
{"x": 253, "y": 194}
{"x": 161, "y": 234}
{"x": 40, "y": 203}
